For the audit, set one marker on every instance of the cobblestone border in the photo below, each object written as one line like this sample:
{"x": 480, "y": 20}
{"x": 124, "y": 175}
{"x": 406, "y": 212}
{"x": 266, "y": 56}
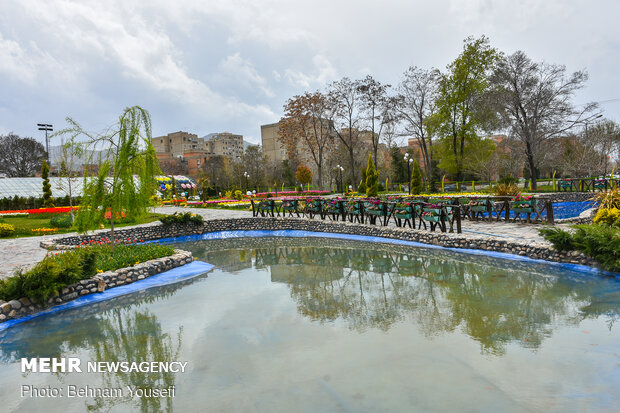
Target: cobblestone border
{"x": 97, "y": 284}
{"x": 450, "y": 240}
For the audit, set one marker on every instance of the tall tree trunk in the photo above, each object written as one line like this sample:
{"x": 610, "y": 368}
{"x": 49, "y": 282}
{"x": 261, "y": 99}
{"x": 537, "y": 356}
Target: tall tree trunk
{"x": 352, "y": 162}
{"x": 531, "y": 164}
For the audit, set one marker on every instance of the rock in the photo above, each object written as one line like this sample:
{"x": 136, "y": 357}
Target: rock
{"x": 70, "y": 296}
{"x": 2, "y": 318}
{"x": 15, "y": 304}
{"x": 25, "y": 301}
{"x": 5, "y": 307}
{"x": 83, "y": 292}
{"x": 100, "y": 286}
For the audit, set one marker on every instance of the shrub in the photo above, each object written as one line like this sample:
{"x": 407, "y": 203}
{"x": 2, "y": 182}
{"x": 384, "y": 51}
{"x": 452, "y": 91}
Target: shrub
{"x": 372, "y": 178}
{"x": 61, "y": 221}
{"x": 6, "y": 230}
{"x": 609, "y": 199}
{"x": 228, "y": 195}
{"x": 417, "y": 186}
{"x": 509, "y": 179}
{"x": 609, "y": 217}
{"x": 506, "y": 190}
{"x": 47, "y": 277}
{"x": 560, "y": 239}
{"x": 178, "y": 218}
{"x": 600, "y": 242}
{"x": 57, "y": 271}
{"x": 362, "y": 186}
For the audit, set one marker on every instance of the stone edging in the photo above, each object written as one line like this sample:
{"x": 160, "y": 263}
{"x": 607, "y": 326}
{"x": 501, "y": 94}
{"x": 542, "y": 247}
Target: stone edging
{"x": 155, "y": 232}
{"x": 99, "y": 283}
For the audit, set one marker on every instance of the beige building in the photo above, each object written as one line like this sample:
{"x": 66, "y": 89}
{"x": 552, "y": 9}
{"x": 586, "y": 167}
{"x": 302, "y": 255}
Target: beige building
{"x": 272, "y": 148}
{"x": 226, "y": 144}
{"x": 177, "y": 143}
{"x": 183, "y": 151}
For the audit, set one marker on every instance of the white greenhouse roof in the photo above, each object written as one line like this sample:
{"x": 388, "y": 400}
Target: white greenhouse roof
{"x": 33, "y": 187}
{"x": 27, "y": 187}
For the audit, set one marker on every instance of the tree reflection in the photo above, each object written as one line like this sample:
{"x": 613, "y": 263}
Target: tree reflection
{"x": 135, "y": 336}
{"x": 121, "y": 329}
{"x": 493, "y": 301}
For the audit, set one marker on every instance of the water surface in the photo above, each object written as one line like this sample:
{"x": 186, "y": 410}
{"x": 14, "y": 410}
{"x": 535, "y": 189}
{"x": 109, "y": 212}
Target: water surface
{"x": 286, "y": 324}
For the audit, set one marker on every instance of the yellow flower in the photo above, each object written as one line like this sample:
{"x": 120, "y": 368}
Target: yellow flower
{"x": 137, "y": 262}
{"x": 99, "y": 271}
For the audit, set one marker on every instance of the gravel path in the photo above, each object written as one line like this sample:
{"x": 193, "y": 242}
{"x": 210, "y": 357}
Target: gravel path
{"x": 23, "y": 252}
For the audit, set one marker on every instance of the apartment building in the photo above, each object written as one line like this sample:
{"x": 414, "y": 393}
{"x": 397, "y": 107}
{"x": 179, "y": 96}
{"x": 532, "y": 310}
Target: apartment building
{"x": 272, "y": 148}
{"x": 186, "y": 153}
{"x": 226, "y": 144}
{"x": 177, "y": 143}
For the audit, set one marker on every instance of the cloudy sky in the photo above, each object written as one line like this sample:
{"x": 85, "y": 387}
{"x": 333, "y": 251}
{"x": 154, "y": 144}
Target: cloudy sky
{"x": 207, "y": 66}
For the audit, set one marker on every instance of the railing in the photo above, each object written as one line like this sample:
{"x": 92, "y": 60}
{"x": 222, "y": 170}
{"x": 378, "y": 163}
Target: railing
{"x": 444, "y": 214}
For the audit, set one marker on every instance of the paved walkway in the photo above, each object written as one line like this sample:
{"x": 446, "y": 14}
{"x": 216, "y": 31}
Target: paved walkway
{"x": 22, "y": 252}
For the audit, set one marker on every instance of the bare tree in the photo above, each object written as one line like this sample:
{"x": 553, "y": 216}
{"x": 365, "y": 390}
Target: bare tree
{"x": 345, "y": 101}
{"x": 376, "y": 108}
{"x": 414, "y": 105}
{"x": 306, "y": 125}
{"x": 605, "y": 136}
{"x": 534, "y": 100}
{"x": 20, "y": 156}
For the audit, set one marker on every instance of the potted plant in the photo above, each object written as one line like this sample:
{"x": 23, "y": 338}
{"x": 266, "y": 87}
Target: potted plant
{"x": 403, "y": 210}
{"x": 522, "y": 204}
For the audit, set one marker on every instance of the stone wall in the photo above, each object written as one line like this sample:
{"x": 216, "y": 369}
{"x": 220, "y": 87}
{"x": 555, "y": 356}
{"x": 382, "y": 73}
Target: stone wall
{"x": 451, "y": 240}
{"x": 99, "y": 283}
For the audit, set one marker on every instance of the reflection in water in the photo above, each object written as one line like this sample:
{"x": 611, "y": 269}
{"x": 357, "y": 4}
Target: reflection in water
{"x": 493, "y": 301}
{"x": 121, "y": 329}
{"x": 329, "y": 325}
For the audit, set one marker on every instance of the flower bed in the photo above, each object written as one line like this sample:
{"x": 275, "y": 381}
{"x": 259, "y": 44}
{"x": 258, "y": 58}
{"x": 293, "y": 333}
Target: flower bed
{"x": 285, "y": 193}
{"x": 55, "y": 210}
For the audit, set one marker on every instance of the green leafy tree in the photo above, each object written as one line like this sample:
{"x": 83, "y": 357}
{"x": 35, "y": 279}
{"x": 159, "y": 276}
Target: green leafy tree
{"x": 463, "y": 104}
{"x": 372, "y": 178}
{"x": 124, "y": 184}
{"x": 397, "y": 165}
{"x": 417, "y": 185}
{"x": 48, "y": 201}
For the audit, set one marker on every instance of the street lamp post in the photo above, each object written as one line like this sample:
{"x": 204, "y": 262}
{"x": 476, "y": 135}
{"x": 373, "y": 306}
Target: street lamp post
{"x": 47, "y": 128}
{"x": 409, "y": 162}
{"x": 246, "y": 175}
{"x": 340, "y": 170}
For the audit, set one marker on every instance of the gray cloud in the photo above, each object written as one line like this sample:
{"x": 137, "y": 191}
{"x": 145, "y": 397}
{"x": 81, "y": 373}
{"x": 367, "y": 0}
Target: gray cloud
{"x": 207, "y": 66}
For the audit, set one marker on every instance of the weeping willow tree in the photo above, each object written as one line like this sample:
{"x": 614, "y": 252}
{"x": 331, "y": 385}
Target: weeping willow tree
{"x": 125, "y": 153}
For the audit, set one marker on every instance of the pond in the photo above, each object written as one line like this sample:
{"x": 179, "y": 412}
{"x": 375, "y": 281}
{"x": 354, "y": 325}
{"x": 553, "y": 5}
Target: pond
{"x": 320, "y": 325}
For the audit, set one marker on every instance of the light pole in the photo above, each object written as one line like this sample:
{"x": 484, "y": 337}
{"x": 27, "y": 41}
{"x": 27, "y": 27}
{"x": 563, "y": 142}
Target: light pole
{"x": 340, "y": 170}
{"x": 247, "y": 175}
{"x": 409, "y": 162}
{"x": 47, "y": 128}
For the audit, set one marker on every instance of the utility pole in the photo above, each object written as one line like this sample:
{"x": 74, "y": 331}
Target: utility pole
{"x": 46, "y": 128}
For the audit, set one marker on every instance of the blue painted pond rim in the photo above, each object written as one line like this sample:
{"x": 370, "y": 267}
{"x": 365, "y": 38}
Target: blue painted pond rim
{"x": 366, "y": 238}
{"x": 175, "y": 275}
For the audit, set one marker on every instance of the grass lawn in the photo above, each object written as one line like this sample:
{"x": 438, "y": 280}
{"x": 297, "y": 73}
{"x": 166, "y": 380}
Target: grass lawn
{"x": 25, "y": 224}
